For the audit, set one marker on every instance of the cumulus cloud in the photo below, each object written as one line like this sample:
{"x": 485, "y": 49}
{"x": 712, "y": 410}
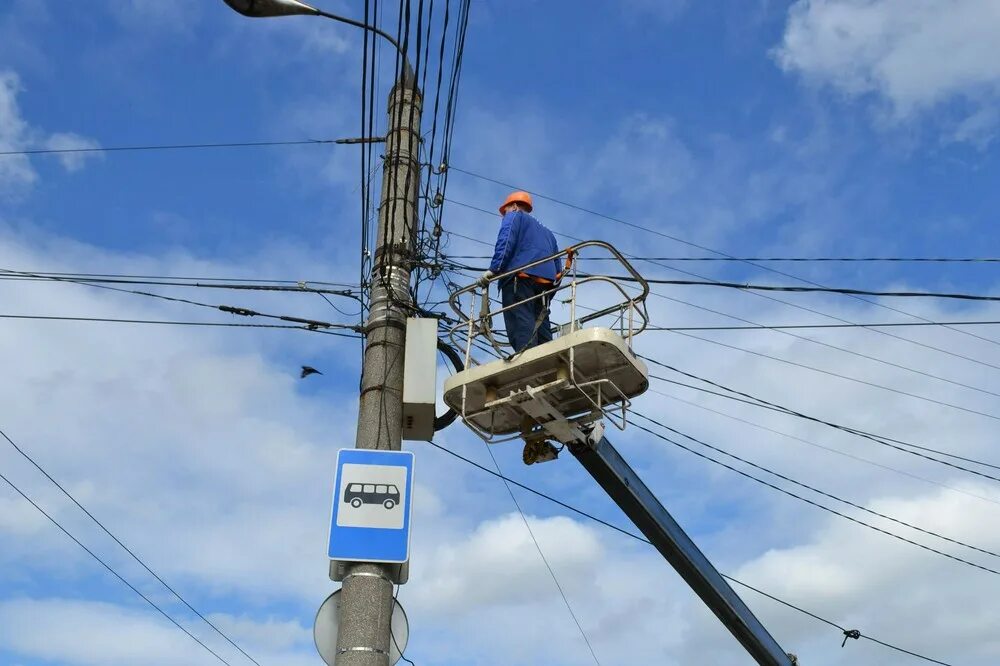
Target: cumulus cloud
{"x": 913, "y": 55}
{"x": 17, "y": 174}
{"x": 72, "y": 161}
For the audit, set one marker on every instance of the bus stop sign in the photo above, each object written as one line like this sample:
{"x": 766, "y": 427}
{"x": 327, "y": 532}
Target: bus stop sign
{"x": 370, "y": 521}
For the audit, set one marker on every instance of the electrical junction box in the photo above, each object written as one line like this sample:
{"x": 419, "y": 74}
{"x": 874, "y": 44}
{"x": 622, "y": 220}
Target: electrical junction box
{"x": 420, "y": 378}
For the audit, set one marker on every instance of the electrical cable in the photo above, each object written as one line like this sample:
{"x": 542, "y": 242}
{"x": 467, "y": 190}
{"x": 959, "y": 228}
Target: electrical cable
{"x": 181, "y": 146}
{"x": 878, "y": 439}
{"x": 783, "y": 477}
{"x": 825, "y": 290}
{"x": 831, "y": 373}
{"x": 128, "y": 550}
{"x": 796, "y": 259}
{"x": 542, "y": 555}
{"x": 173, "y": 323}
{"x": 642, "y": 539}
{"x": 240, "y": 311}
{"x": 112, "y": 571}
{"x": 779, "y": 327}
{"x": 838, "y": 452}
{"x": 809, "y": 501}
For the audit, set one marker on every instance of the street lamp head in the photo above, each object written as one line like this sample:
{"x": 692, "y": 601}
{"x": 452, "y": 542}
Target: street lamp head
{"x": 263, "y": 8}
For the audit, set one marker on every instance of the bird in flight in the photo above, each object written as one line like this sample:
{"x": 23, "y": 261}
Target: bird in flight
{"x": 309, "y": 370}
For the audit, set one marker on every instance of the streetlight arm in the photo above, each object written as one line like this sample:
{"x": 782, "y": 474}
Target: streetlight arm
{"x": 269, "y": 8}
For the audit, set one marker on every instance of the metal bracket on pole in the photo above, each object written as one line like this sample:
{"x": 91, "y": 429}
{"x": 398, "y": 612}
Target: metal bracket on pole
{"x": 628, "y": 491}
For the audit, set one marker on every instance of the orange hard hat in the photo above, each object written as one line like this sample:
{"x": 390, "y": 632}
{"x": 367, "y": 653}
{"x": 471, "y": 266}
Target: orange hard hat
{"x": 517, "y": 197}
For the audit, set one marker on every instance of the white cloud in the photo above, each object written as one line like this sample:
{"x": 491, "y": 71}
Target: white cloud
{"x": 88, "y": 633}
{"x": 69, "y": 141}
{"x": 913, "y": 54}
{"x": 17, "y": 174}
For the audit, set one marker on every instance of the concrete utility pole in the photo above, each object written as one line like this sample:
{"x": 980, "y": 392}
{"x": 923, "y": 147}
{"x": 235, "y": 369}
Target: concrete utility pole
{"x": 366, "y": 597}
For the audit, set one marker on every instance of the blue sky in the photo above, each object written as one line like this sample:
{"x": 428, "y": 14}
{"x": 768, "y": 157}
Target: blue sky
{"x": 756, "y": 128}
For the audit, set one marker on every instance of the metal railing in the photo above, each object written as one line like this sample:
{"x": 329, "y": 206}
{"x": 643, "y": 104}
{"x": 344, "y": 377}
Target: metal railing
{"x": 630, "y": 312}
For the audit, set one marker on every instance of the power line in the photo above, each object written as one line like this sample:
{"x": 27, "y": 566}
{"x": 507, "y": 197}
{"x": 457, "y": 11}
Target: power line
{"x": 825, "y": 290}
{"x": 128, "y": 276}
{"x": 781, "y": 327}
{"x": 240, "y": 311}
{"x": 838, "y": 452}
{"x": 878, "y": 439}
{"x": 178, "y": 146}
{"x": 301, "y": 287}
{"x": 856, "y": 380}
{"x": 542, "y": 555}
{"x": 783, "y": 477}
{"x": 128, "y": 550}
{"x": 642, "y": 539}
{"x": 807, "y": 500}
{"x": 829, "y": 346}
{"x": 174, "y": 323}
{"x": 792, "y": 259}
{"x": 112, "y": 571}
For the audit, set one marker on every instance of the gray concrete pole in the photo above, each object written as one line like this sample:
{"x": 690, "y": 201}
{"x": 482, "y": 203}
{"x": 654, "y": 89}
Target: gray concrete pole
{"x": 366, "y": 599}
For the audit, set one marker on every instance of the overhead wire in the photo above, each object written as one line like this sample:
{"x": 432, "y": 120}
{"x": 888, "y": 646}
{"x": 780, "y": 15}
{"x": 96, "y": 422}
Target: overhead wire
{"x": 642, "y": 539}
{"x": 898, "y": 444}
{"x": 809, "y": 501}
{"x": 177, "y": 146}
{"x": 541, "y": 554}
{"x": 838, "y": 452}
{"x": 240, "y": 311}
{"x": 814, "y": 489}
{"x": 24, "y": 454}
{"x": 785, "y": 331}
{"x": 112, "y": 571}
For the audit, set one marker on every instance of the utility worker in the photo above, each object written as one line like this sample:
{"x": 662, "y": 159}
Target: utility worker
{"x": 523, "y": 239}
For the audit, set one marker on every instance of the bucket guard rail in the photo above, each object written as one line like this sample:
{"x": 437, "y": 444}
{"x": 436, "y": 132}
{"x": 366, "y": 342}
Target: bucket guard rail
{"x": 556, "y": 389}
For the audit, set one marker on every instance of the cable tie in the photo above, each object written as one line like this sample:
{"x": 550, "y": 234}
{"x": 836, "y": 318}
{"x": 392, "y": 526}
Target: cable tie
{"x": 850, "y": 633}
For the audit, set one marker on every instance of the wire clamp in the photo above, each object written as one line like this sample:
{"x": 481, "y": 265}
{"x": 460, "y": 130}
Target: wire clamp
{"x": 850, "y": 633}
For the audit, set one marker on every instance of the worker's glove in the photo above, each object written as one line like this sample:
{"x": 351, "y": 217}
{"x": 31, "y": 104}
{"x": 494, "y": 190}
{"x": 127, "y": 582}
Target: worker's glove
{"x": 485, "y": 278}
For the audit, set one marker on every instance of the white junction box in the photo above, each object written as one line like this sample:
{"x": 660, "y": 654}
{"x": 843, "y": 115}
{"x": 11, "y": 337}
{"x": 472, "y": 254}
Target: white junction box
{"x": 420, "y": 378}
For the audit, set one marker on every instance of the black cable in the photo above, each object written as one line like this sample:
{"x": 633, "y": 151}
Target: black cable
{"x": 779, "y": 327}
{"x": 128, "y": 550}
{"x": 825, "y": 290}
{"x": 830, "y": 373}
{"x": 165, "y": 322}
{"x": 813, "y": 341}
{"x": 111, "y": 570}
{"x": 838, "y": 452}
{"x": 642, "y": 539}
{"x": 545, "y": 560}
{"x": 797, "y": 259}
{"x": 37, "y": 275}
{"x": 182, "y": 146}
{"x": 809, "y": 501}
{"x": 301, "y": 287}
{"x": 783, "y": 477}
{"x": 446, "y": 419}
{"x": 878, "y": 439}
{"x": 240, "y": 311}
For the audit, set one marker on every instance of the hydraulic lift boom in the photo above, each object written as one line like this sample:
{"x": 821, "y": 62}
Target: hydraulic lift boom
{"x": 624, "y": 486}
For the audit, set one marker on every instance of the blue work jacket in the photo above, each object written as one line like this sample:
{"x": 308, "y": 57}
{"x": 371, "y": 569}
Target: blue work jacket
{"x": 522, "y": 240}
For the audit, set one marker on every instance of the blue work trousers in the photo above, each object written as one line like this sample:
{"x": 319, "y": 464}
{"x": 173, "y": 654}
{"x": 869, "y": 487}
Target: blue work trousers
{"x": 522, "y": 321}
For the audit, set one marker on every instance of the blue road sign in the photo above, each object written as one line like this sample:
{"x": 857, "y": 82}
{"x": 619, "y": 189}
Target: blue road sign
{"x": 370, "y": 521}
